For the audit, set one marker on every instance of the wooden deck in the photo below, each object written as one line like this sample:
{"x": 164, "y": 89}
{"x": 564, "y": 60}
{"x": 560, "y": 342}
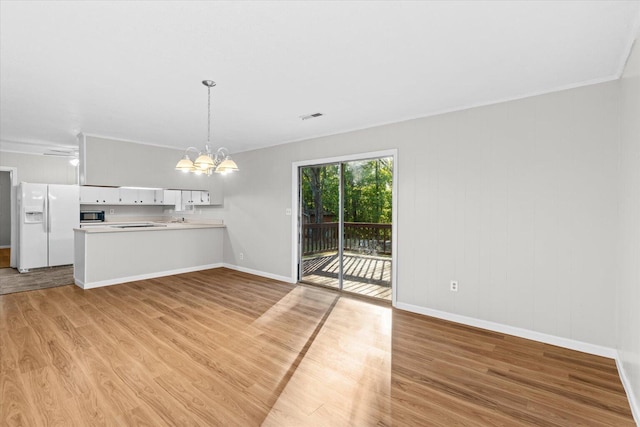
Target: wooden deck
{"x": 363, "y": 274}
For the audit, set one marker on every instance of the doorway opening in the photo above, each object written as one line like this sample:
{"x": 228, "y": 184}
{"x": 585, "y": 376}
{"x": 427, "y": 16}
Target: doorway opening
{"x": 345, "y": 222}
{"x": 7, "y": 178}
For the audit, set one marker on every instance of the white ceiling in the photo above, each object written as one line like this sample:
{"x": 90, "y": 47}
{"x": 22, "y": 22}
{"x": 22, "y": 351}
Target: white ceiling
{"x": 132, "y": 70}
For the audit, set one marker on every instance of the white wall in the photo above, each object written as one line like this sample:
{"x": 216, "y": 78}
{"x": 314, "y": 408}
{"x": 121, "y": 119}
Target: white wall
{"x": 39, "y": 168}
{"x": 628, "y": 298}
{"x": 516, "y": 200}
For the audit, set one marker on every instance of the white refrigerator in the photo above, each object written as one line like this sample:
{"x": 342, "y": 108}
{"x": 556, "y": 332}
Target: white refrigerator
{"x": 47, "y": 214}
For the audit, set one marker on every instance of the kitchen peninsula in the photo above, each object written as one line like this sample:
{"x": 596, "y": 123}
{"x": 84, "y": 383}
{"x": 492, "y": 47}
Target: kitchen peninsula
{"x": 114, "y": 253}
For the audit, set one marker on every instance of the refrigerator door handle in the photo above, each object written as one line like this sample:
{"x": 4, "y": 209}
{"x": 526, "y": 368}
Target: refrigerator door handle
{"x": 47, "y": 215}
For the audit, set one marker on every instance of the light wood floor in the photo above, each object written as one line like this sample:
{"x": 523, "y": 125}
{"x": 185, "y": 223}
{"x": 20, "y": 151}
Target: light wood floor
{"x": 5, "y": 257}
{"x": 220, "y": 347}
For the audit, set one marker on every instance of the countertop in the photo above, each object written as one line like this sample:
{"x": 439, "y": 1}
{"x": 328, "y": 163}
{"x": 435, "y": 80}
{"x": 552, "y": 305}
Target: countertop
{"x": 114, "y": 227}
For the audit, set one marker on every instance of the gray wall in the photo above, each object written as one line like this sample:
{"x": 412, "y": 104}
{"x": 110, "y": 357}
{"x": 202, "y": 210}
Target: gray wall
{"x": 628, "y": 298}
{"x": 516, "y": 200}
{"x": 5, "y": 208}
{"x": 122, "y": 163}
{"x": 39, "y": 168}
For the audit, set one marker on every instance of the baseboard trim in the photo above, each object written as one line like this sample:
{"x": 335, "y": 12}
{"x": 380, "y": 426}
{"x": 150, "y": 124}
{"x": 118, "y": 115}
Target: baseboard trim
{"x": 5, "y": 246}
{"x": 101, "y": 283}
{"x": 626, "y": 383}
{"x": 260, "y": 273}
{"x": 512, "y": 330}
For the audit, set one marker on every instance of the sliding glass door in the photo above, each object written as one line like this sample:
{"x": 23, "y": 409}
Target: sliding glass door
{"x": 320, "y": 195}
{"x": 345, "y": 226}
{"x": 366, "y": 258}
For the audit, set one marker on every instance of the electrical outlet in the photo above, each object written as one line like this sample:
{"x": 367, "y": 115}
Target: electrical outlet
{"x": 454, "y": 286}
{"x": 287, "y": 212}
{"x": 112, "y": 211}
{"x": 241, "y": 255}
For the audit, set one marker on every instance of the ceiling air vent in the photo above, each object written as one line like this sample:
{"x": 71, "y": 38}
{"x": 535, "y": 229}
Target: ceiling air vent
{"x": 311, "y": 116}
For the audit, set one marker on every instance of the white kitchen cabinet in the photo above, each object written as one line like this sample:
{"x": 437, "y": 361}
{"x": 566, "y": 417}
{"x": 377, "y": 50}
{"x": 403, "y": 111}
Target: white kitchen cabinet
{"x": 195, "y": 197}
{"x": 199, "y": 197}
{"x": 203, "y": 197}
{"x": 99, "y": 195}
{"x": 171, "y": 197}
{"x": 187, "y": 197}
{"x": 147, "y": 197}
{"x": 158, "y": 197}
{"x": 137, "y": 196}
{"x": 182, "y": 199}
{"x": 128, "y": 196}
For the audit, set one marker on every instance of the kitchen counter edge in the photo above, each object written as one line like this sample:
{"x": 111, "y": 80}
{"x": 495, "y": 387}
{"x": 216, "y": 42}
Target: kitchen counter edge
{"x": 160, "y": 227}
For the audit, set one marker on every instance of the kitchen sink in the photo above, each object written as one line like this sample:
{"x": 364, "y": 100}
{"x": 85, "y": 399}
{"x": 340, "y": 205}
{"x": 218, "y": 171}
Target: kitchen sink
{"x": 138, "y": 225}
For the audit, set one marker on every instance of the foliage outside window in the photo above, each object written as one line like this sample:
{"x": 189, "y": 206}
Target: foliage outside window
{"x": 367, "y": 192}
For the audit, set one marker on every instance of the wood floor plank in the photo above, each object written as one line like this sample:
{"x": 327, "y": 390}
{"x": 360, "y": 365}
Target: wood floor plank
{"x": 49, "y": 398}
{"x": 70, "y": 308}
{"x": 28, "y": 350}
{"x": 220, "y": 347}
{"x": 16, "y": 409}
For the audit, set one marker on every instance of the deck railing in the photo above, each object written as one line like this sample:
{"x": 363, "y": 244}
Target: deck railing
{"x": 362, "y": 237}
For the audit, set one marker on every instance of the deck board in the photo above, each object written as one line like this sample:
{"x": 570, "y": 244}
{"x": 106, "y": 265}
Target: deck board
{"x": 363, "y": 274}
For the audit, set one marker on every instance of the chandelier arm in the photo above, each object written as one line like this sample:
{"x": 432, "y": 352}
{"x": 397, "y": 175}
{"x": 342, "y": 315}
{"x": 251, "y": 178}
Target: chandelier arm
{"x": 194, "y": 149}
{"x": 223, "y": 151}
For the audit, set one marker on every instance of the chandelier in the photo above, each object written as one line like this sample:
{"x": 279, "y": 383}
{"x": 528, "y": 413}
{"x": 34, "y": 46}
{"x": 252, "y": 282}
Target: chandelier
{"x": 206, "y": 161}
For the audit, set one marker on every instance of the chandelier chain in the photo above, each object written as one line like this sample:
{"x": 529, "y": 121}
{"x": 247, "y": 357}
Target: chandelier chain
{"x": 209, "y": 115}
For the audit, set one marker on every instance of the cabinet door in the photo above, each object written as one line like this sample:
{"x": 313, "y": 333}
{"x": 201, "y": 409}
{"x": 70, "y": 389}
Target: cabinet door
{"x": 128, "y": 196}
{"x": 89, "y": 195}
{"x": 109, "y": 195}
{"x": 98, "y": 195}
{"x": 187, "y": 197}
{"x": 171, "y": 197}
{"x": 158, "y": 197}
{"x": 200, "y": 197}
{"x": 146, "y": 197}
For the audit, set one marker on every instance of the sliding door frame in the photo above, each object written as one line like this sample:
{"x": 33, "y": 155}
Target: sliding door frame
{"x": 296, "y": 214}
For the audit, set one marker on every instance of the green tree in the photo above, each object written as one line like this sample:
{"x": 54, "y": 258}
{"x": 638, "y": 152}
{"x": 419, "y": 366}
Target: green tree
{"x": 367, "y": 191}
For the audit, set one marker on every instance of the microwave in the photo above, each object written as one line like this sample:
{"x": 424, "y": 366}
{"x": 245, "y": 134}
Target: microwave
{"x": 91, "y": 216}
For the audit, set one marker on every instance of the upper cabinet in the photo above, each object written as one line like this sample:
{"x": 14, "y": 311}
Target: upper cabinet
{"x": 99, "y": 195}
{"x": 90, "y": 195}
{"x": 115, "y": 163}
{"x": 135, "y": 196}
{"x": 170, "y": 197}
{"x": 188, "y": 199}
